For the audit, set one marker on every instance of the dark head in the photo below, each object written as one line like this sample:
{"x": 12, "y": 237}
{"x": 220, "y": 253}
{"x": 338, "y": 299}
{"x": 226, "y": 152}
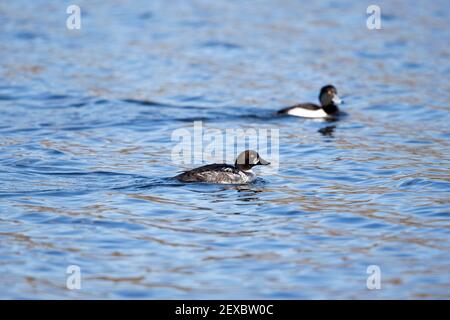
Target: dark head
{"x": 248, "y": 159}
{"x": 328, "y": 96}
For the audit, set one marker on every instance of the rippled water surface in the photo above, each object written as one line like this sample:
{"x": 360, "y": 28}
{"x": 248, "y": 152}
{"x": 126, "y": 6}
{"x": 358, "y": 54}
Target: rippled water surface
{"x": 86, "y": 123}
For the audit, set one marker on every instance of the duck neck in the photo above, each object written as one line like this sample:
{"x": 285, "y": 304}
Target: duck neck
{"x": 243, "y": 167}
{"x": 330, "y": 108}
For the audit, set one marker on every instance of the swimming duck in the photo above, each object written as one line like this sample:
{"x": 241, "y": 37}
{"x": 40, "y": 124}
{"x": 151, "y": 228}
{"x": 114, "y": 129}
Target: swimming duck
{"x": 329, "y": 101}
{"x": 239, "y": 173}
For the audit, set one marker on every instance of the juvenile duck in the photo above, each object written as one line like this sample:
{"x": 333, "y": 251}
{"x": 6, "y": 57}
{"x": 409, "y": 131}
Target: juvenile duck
{"x": 329, "y": 101}
{"x": 240, "y": 173}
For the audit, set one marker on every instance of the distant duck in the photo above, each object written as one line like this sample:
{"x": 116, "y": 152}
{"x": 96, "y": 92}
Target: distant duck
{"x": 240, "y": 173}
{"x": 329, "y": 101}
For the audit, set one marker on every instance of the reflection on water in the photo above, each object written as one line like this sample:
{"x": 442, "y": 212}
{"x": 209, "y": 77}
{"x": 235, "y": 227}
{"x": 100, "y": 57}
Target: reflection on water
{"x": 85, "y": 145}
{"x": 327, "y": 131}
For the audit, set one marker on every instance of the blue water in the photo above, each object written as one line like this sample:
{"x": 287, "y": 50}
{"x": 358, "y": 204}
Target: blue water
{"x": 86, "y": 118}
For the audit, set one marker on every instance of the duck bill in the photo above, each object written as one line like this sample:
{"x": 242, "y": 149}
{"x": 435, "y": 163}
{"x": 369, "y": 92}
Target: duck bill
{"x": 336, "y": 100}
{"x": 263, "y": 162}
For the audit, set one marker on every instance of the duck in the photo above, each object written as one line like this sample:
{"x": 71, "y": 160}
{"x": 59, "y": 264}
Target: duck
{"x": 239, "y": 173}
{"x": 329, "y": 101}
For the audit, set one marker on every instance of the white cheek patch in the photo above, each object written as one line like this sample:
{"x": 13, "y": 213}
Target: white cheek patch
{"x": 300, "y": 112}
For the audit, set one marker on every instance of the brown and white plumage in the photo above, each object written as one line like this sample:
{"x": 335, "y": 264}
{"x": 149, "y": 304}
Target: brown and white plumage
{"x": 240, "y": 173}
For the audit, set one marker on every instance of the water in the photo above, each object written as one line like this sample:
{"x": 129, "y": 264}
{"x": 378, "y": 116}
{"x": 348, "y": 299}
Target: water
{"x": 85, "y": 150}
